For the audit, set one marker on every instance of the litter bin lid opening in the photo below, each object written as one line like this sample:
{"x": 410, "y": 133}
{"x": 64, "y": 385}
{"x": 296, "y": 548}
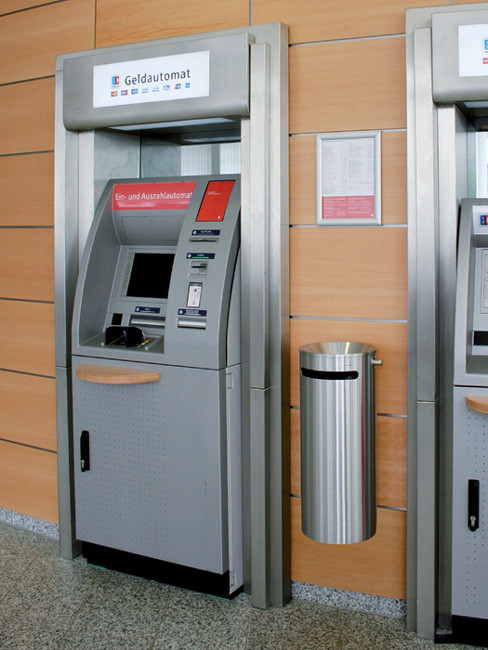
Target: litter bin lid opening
{"x": 337, "y": 347}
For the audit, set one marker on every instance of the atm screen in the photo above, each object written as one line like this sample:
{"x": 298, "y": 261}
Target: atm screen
{"x": 150, "y": 275}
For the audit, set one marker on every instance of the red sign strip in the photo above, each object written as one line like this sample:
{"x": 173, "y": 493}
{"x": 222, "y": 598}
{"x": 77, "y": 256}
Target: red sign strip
{"x": 152, "y": 196}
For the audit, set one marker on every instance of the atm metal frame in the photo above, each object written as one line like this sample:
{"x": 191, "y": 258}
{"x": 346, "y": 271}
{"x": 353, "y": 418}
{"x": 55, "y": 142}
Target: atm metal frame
{"x": 79, "y": 157}
{"x": 441, "y": 168}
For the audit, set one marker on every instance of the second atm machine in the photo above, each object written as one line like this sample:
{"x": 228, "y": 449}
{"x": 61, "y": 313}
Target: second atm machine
{"x": 157, "y": 382}
{"x": 470, "y": 437}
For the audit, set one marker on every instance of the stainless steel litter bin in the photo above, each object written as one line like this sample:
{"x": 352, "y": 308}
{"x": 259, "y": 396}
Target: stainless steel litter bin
{"x": 338, "y": 418}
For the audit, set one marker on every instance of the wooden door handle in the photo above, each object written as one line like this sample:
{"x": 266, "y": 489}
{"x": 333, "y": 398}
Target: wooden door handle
{"x": 114, "y": 375}
{"x": 478, "y": 404}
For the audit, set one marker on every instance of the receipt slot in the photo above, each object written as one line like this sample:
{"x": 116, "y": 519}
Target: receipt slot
{"x": 470, "y": 424}
{"x": 157, "y": 381}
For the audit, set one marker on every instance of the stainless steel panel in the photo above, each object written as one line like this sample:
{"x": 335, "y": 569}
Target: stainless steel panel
{"x": 65, "y": 229}
{"x": 160, "y": 158}
{"x": 277, "y": 330}
{"x": 422, "y": 313}
{"x": 337, "y": 425}
{"x": 259, "y": 217}
{"x": 279, "y": 322}
{"x": 426, "y": 224}
{"x": 102, "y": 155}
{"x": 448, "y": 85}
{"x": 228, "y": 83}
{"x": 426, "y": 567}
{"x": 245, "y": 297}
{"x": 65, "y": 273}
{"x": 68, "y": 546}
{"x": 454, "y": 144}
{"x": 260, "y": 498}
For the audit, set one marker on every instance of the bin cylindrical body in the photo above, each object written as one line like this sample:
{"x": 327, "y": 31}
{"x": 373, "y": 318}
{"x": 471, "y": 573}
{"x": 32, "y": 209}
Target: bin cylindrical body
{"x": 337, "y": 408}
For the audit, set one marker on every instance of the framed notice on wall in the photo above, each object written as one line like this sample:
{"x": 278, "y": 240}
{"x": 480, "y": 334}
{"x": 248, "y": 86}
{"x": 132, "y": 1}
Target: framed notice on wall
{"x": 348, "y": 178}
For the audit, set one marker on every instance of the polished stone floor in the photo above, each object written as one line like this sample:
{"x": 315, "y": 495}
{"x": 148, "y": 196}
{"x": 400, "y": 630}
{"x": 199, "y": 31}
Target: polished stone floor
{"x": 50, "y": 602}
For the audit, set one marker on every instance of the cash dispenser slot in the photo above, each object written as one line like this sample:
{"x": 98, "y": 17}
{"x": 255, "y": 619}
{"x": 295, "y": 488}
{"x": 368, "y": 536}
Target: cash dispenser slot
{"x": 148, "y": 321}
{"x": 127, "y": 336}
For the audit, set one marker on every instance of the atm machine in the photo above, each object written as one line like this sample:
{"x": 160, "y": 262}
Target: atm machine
{"x": 171, "y": 265}
{"x": 447, "y": 119}
{"x": 156, "y": 376}
{"x": 470, "y": 427}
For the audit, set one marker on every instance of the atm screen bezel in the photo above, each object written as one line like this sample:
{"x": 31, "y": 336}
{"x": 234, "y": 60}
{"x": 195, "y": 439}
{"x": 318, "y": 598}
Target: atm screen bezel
{"x": 123, "y": 275}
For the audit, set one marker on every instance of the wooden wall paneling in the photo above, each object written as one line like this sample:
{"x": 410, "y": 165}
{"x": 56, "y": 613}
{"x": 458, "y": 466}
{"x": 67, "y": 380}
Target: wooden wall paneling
{"x": 27, "y": 123}
{"x": 341, "y": 272}
{"x": 30, "y": 40}
{"x": 323, "y": 20}
{"x": 295, "y": 469}
{"x": 27, "y": 190}
{"x": 27, "y": 332}
{"x": 390, "y": 339}
{"x": 123, "y": 21}
{"x": 27, "y": 263}
{"x": 28, "y": 408}
{"x": 357, "y": 85}
{"x": 393, "y": 179}
{"x": 391, "y": 460}
{"x": 8, "y": 6}
{"x": 302, "y": 179}
{"x": 377, "y": 566}
{"x": 28, "y": 481}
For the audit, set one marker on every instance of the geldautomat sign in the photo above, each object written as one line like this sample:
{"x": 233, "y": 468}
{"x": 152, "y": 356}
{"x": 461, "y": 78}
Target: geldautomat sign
{"x": 156, "y": 79}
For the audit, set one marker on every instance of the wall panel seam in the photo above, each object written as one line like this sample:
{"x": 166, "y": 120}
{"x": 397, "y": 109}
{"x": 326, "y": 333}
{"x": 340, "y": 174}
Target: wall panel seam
{"x": 396, "y": 509}
{"x": 316, "y": 225}
{"x": 348, "y": 318}
{"x": 25, "y": 153}
{"x": 95, "y": 8}
{"x": 29, "y": 374}
{"x": 314, "y": 133}
{"x": 348, "y": 40}
{"x": 23, "y": 81}
{"x": 24, "y": 9}
{"x": 37, "y": 302}
{"x": 33, "y": 227}
{"x": 380, "y": 415}
{"x": 22, "y": 444}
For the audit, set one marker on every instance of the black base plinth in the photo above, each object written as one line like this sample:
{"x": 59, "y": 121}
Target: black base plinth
{"x": 470, "y": 631}
{"x": 206, "y": 582}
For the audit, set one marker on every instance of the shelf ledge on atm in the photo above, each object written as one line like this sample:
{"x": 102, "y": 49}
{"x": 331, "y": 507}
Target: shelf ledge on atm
{"x": 478, "y": 404}
{"x": 114, "y": 375}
